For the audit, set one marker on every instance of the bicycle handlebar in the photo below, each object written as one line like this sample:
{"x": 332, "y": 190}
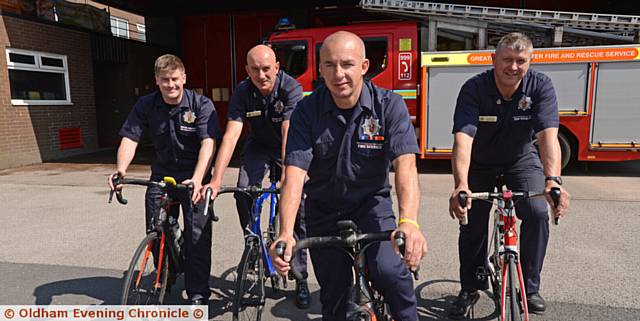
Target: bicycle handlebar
{"x": 346, "y": 240}
{"x": 251, "y": 191}
{"x": 166, "y": 183}
{"x": 506, "y": 195}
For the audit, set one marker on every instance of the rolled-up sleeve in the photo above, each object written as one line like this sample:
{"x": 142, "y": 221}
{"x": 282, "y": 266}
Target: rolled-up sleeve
{"x": 547, "y": 107}
{"x": 467, "y": 112}
{"x": 207, "y": 121}
{"x": 237, "y": 105}
{"x": 299, "y": 149}
{"x": 293, "y": 96}
{"x": 136, "y": 121}
{"x": 400, "y": 132}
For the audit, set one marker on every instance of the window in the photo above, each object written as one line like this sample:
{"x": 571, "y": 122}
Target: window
{"x": 38, "y": 78}
{"x": 142, "y": 29}
{"x": 292, "y": 56}
{"x": 376, "y": 51}
{"x": 119, "y": 27}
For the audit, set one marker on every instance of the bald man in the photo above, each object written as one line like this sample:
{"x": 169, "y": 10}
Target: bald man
{"x": 266, "y": 100}
{"x": 344, "y": 137}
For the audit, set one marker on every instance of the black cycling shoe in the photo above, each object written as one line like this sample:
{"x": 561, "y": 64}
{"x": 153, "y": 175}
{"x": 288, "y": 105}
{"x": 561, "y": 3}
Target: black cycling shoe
{"x": 463, "y": 304}
{"x": 171, "y": 281}
{"x": 198, "y": 300}
{"x": 303, "y": 297}
{"x": 536, "y": 303}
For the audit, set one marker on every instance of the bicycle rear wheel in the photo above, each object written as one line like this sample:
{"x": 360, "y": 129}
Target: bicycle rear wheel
{"x": 249, "y": 299}
{"x": 512, "y": 309}
{"x": 142, "y": 286}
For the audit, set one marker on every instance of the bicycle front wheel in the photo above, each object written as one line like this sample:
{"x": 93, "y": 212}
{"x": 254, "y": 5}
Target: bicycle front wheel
{"x": 249, "y": 299}
{"x": 142, "y": 284}
{"x": 512, "y": 309}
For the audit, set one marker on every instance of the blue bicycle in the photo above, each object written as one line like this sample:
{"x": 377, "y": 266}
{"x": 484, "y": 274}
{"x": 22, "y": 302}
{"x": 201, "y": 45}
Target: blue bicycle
{"x": 255, "y": 265}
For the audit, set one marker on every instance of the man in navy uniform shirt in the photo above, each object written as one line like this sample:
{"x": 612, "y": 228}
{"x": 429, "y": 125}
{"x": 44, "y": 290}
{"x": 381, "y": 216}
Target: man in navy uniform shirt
{"x": 266, "y": 100}
{"x": 497, "y": 114}
{"x": 183, "y": 126}
{"x": 345, "y": 136}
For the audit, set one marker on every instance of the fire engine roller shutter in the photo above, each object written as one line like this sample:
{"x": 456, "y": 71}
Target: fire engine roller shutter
{"x": 444, "y": 86}
{"x": 570, "y": 83}
{"x": 617, "y": 103}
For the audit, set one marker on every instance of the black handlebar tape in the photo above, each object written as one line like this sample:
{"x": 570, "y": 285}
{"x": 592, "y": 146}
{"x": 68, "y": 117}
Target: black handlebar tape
{"x": 462, "y": 199}
{"x": 280, "y": 247}
{"x": 555, "y": 196}
{"x": 115, "y": 180}
{"x": 400, "y": 238}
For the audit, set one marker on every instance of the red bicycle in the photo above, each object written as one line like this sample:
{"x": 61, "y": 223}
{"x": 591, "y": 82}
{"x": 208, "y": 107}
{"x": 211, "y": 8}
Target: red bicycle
{"x": 502, "y": 266}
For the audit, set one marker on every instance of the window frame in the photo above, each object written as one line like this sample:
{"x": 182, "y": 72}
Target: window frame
{"x": 39, "y": 67}
{"x": 118, "y": 29}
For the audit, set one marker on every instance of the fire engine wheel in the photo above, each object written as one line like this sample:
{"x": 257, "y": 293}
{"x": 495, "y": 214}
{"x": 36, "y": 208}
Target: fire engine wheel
{"x": 565, "y": 148}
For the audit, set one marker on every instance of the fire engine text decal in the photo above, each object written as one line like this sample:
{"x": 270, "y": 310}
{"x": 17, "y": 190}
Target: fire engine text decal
{"x": 404, "y": 66}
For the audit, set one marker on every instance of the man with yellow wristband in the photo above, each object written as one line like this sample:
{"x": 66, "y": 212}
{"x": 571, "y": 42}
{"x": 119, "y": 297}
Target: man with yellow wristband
{"x": 344, "y": 137}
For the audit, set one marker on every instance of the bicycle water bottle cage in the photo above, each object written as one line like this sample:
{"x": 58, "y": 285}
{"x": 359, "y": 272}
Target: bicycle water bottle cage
{"x": 170, "y": 180}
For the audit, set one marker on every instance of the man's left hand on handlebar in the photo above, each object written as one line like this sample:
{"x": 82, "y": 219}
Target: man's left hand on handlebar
{"x": 563, "y": 204}
{"x": 415, "y": 244}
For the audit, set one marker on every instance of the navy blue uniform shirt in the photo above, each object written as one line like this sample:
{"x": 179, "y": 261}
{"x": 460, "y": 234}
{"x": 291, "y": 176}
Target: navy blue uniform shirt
{"x": 347, "y": 160}
{"x": 176, "y": 131}
{"x": 503, "y": 130}
{"x": 265, "y": 114}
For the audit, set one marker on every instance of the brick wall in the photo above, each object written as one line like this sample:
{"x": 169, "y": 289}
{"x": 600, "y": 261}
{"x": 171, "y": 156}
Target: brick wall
{"x": 29, "y": 134}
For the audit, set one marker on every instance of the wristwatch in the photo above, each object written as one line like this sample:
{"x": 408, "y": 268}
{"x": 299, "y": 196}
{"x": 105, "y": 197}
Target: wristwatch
{"x": 556, "y": 179}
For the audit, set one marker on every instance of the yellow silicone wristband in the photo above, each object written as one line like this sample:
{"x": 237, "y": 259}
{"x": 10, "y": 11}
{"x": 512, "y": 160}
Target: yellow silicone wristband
{"x": 410, "y": 221}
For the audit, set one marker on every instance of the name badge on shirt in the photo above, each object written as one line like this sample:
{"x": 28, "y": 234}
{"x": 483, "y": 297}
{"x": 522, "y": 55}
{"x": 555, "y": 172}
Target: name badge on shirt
{"x": 254, "y": 113}
{"x": 188, "y": 129}
{"x": 488, "y": 119}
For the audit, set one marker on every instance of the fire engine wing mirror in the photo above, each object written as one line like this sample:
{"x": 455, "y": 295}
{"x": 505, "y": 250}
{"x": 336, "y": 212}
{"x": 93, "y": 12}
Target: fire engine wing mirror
{"x": 298, "y": 48}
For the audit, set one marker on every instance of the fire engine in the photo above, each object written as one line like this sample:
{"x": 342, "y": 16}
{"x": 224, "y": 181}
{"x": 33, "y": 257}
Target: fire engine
{"x": 596, "y": 85}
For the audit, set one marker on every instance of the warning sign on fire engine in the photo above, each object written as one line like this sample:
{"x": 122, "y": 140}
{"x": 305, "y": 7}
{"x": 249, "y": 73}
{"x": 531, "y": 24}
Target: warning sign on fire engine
{"x": 404, "y": 66}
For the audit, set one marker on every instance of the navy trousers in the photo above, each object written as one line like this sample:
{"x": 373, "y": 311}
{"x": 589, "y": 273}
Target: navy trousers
{"x": 333, "y": 267}
{"x": 197, "y": 238}
{"x": 254, "y": 166}
{"x": 534, "y": 229}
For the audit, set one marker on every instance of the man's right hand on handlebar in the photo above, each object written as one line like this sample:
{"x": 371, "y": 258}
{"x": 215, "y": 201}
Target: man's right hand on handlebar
{"x": 455, "y": 210}
{"x": 283, "y": 265}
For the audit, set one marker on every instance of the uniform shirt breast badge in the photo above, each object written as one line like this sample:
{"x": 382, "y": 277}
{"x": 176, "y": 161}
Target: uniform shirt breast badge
{"x": 370, "y": 128}
{"x": 189, "y": 117}
{"x": 278, "y": 106}
{"x": 524, "y": 103}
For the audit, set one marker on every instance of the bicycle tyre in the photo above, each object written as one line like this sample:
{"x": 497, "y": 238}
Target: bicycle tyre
{"x": 248, "y": 300}
{"x": 138, "y": 288}
{"x": 512, "y": 310}
{"x": 270, "y": 238}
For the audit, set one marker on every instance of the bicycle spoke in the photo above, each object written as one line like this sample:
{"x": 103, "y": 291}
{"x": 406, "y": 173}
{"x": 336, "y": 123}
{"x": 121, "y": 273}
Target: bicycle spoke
{"x": 249, "y": 296}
